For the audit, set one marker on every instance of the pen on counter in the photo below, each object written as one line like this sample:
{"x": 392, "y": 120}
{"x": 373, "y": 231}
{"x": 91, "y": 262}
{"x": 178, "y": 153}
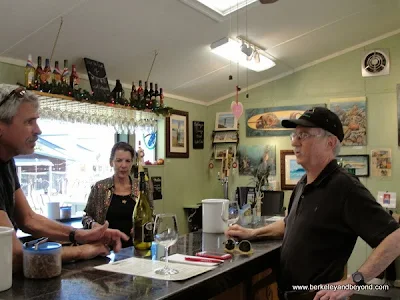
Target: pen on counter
{"x": 200, "y": 259}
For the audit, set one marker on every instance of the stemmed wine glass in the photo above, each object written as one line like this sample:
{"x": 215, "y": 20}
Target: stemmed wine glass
{"x": 233, "y": 212}
{"x": 166, "y": 234}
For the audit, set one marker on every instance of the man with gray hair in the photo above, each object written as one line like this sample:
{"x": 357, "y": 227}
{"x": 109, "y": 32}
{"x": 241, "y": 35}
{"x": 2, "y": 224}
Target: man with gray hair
{"x": 328, "y": 210}
{"x": 19, "y": 132}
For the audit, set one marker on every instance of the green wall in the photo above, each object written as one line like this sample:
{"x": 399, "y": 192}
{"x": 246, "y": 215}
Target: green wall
{"x": 335, "y": 78}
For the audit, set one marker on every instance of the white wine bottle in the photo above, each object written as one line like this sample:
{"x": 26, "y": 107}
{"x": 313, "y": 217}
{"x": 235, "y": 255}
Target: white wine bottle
{"x": 142, "y": 217}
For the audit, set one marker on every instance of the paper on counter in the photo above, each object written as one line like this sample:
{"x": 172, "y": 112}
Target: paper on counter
{"x": 180, "y": 258}
{"x": 146, "y": 268}
{"x": 275, "y": 218}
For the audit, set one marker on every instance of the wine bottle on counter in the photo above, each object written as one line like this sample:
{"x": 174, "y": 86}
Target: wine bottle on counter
{"x": 142, "y": 217}
{"x": 29, "y": 72}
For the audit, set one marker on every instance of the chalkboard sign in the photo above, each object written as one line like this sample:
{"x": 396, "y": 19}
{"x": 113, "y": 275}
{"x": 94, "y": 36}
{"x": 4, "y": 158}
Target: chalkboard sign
{"x": 157, "y": 192}
{"x": 98, "y": 79}
{"x": 198, "y": 135}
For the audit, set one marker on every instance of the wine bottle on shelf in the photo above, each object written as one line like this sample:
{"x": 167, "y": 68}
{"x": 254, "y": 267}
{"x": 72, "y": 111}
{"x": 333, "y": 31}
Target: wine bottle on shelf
{"x": 133, "y": 100}
{"x": 140, "y": 88}
{"x": 151, "y": 95}
{"x": 146, "y": 95}
{"x": 142, "y": 217}
{"x": 156, "y": 97}
{"x": 65, "y": 73}
{"x": 56, "y": 78}
{"x": 118, "y": 93}
{"x": 74, "y": 78}
{"x": 39, "y": 71}
{"x": 29, "y": 72}
{"x": 161, "y": 98}
{"x": 46, "y": 75}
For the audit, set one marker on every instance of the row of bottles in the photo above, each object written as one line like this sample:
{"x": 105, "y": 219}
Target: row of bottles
{"x": 142, "y": 217}
{"x": 140, "y": 98}
{"x": 39, "y": 75}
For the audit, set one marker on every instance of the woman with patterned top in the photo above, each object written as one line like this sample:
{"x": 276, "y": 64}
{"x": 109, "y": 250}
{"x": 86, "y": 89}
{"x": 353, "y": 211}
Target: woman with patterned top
{"x": 113, "y": 199}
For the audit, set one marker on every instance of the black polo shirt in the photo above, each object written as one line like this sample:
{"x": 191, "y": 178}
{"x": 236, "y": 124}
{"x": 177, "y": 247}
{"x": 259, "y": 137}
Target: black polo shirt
{"x": 9, "y": 183}
{"x": 323, "y": 223}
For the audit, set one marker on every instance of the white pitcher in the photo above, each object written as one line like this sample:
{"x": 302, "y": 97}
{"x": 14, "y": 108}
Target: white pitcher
{"x": 5, "y": 258}
{"x": 215, "y": 215}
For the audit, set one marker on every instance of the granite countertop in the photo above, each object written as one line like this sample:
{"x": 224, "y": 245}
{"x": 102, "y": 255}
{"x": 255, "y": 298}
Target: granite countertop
{"x": 81, "y": 281}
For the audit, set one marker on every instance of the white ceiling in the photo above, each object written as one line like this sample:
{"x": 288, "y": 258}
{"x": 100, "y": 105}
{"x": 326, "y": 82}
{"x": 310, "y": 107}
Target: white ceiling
{"x": 124, "y": 34}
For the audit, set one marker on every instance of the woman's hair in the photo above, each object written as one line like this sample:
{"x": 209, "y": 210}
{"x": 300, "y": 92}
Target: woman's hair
{"x": 10, "y": 108}
{"x": 121, "y": 146}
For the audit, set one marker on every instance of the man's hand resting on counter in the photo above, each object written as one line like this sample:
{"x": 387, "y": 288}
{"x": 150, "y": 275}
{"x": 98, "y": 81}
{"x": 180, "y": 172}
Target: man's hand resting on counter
{"x": 90, "y": 251}
{"x": 237, "y": 231}
{"x": 102, "y": 234}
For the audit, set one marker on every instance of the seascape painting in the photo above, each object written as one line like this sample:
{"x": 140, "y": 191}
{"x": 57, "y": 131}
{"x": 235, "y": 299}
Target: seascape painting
{"x": 296, "y": 171}
{"x": 252, "y": 157}
{"x": 352, "y": 112}
{"x": 267, "y": 121}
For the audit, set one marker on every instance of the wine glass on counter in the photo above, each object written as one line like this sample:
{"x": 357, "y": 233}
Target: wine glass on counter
{"x": 233, "y": 212}
{"x": 166, "y": 235}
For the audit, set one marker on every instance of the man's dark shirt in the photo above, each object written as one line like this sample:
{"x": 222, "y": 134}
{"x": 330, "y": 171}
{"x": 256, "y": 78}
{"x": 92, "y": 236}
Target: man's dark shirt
{"x": 9, "y": 183}
{"x": 323, "y": 223}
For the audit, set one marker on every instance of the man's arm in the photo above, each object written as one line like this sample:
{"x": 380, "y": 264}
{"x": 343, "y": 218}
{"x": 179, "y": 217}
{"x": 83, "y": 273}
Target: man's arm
{"x": 35, "y": 224}
{"x": 382, "y": 256}
{"x": 38, "y": 225}
{"x": 86, "y": 251}
{"x": 274, "y": 230}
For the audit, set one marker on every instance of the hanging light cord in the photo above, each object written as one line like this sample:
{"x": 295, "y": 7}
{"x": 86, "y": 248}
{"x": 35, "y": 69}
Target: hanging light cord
{"x": 151, "y": 68}
{"x": 56, "y": 41}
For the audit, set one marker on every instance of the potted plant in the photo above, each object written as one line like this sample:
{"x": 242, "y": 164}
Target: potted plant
{"x": 260, "y": 180}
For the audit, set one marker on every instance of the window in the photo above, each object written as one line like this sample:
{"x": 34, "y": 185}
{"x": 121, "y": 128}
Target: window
{"x": 68, "y": 159}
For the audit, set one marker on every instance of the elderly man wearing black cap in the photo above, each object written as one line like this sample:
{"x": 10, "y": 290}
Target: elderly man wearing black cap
{"x": 328, "y": 210}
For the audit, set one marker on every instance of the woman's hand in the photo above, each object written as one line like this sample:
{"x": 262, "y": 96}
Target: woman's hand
{"x": 237, "y": 231}
{"x": 102, "y": 234}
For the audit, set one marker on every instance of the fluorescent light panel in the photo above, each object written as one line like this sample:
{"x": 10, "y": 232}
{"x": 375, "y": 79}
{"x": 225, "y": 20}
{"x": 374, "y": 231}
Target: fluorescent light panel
{"x": 230, "y": 49}
{"x": 225, "y": 7}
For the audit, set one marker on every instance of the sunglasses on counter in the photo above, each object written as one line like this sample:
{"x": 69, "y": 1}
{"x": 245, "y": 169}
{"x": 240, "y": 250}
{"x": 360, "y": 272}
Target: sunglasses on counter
{"x": 242, "y": 247}
{"x": 18, "y": 92}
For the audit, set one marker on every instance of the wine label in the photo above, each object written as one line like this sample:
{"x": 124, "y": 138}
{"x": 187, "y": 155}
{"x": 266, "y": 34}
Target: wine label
{"x": 147, "y": 232}
{"x": 144, "y": 233}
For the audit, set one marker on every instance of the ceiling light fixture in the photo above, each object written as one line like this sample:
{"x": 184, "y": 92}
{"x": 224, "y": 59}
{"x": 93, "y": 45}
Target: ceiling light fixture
{"x": 233, "y": 50}
{"x": 227, "y": 6}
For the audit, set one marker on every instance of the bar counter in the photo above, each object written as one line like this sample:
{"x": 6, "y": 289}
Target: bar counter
{"x": 234, "y": 279}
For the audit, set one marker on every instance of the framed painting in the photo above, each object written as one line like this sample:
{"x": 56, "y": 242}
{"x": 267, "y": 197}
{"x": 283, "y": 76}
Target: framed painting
{"x": 267, "y": 121}
{"x": 355, "y": 164}
{"x": 177, "y": 134}
{"x": 220, "y": 150}
{"x": 352, "y": 112}
{"x": 291, "y": 171}
{"x": 225, "y": 121}
{"x": 225, "y": 137}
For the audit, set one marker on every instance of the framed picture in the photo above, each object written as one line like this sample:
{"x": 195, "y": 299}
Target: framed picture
{"x": 356, "y": 164}
{"x": 220, "y": 150}
{"x": 225, "y": 121}
{"x": 291, "y": 171}
{"x": 177, "y": 134}
{"x": 225, "y": 137}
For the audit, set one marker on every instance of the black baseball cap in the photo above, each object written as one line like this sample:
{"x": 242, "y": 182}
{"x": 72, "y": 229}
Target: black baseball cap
{"x": 320, "y": 117}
